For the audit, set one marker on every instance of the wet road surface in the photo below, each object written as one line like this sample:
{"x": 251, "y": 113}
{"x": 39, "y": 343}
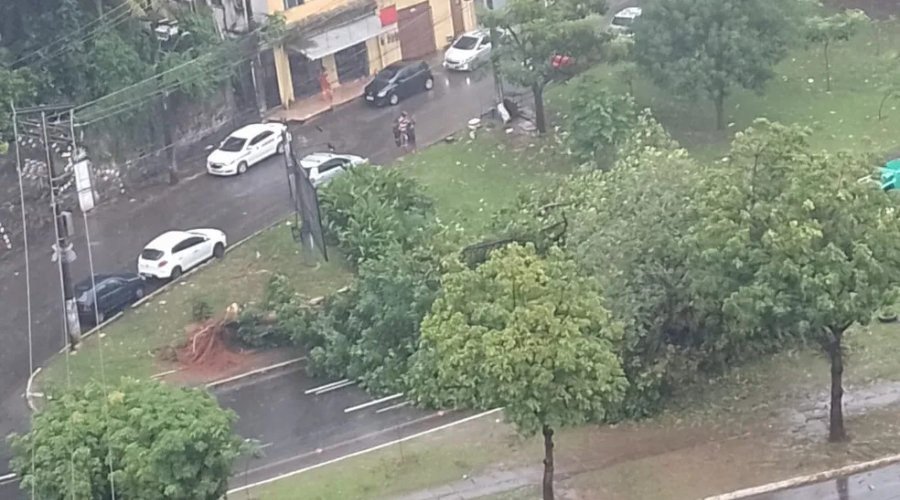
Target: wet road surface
{"x": 239, "y": 206}
{"x": 878, "y": 484}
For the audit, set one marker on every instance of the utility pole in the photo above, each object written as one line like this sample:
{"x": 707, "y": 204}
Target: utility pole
{"x": 259, "y": 88}
{"x": 495, "y": 67}
{"x": 57, "y": 178}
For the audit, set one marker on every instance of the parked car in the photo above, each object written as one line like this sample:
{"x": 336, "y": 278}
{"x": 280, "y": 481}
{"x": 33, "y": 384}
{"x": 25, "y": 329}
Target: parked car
{"x": 112, "y": 292}
{"x": 622, "y": 21}
{"x": 322, "y": 167}
{"x": 246, "y": 147}
{"x": 174, "y": 252}
{"x": 398, "y": 81}
{"x": 469, "y": 51}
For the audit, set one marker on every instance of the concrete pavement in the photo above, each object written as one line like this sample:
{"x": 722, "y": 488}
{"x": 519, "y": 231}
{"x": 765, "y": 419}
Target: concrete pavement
{"x": 239, "y": 206}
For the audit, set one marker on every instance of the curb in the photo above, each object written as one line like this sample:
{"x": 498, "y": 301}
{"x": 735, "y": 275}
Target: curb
{"x": 808, "y": 479}
{"x": 28, "y": 393}
{"x": 259, "y": 371}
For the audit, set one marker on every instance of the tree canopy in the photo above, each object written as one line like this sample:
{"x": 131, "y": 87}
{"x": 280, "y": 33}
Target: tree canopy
{"x": 709, "y": 47}
{"x": 533, "y": 32}
{"x": 148, "y": 439}
{"x": 525, "y": 333}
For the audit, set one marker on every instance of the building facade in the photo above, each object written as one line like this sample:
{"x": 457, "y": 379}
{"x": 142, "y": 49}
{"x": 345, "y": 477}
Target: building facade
{"x": 350, "y": 40}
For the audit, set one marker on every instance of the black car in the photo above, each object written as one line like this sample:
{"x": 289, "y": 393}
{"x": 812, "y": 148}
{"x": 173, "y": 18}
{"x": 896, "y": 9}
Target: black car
{"x": 113, "y": 291}
{"x": 399, "y": 81}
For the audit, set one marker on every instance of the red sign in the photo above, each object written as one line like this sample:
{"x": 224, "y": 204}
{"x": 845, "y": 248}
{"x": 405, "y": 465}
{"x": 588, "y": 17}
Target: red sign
{"x": 388, "y": 16}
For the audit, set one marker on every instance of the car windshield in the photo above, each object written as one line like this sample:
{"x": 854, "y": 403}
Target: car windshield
{"x": 466, "y": 43}
{"x": 233, "y": 144}
{"x": 151, "y": 254}
{"x": 622, "y": 21}
{"x": 387, "y": 73}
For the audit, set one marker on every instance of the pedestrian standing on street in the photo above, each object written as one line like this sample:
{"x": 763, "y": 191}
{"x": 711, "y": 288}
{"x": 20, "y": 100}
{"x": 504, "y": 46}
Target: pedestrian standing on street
{"x": 398, "y": 136}
{"x": 325, "y": 85}
{"x": 410, "y": 132}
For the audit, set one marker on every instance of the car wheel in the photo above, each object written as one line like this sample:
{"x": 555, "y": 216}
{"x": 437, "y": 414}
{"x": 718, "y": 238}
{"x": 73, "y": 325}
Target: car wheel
{"x": 176, "y": 273}
{"x": 394, "y": 99}
{"x": 100, "y": 318}
{"x": 139, "y": 293}
{"x": 242, "y": 167}
{"x": 219, "y": 251}
{"x": 429, "y": 83}
{"x": 280, "y": 149}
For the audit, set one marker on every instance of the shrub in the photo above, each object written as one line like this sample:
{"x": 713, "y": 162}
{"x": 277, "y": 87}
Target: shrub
{"x": 370, "y": 210}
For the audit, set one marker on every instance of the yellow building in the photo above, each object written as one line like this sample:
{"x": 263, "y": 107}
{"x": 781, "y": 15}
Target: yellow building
{"x": 351, "y": 40}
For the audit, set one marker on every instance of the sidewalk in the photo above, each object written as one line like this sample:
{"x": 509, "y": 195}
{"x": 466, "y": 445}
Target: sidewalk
{"x": 493, "y": 483}
{"x": 303, "y": 110}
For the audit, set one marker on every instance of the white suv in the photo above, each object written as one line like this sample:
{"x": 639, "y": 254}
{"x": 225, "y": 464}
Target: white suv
{"x": 175, "y": 252}
{"x": 622, "y": 21}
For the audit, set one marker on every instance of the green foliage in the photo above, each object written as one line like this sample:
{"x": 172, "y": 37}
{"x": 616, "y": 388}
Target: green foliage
{"x": 828, "y": 30}
{"x": 598, "y": 123}
{"x": 707, "y": 47}
{"x": 369, "y": 333}
{"x": 16, "y": 86}
{"x": 158, "y": 441}
{"x": 201, "y": 310}
{"x": 536, "y": 30}
{"x": 525, "y": 333}
{"x": 369, "y": 210}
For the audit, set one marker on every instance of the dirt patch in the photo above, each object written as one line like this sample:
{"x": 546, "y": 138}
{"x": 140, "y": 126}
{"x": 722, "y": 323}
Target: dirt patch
{"x": 808, "y": 419}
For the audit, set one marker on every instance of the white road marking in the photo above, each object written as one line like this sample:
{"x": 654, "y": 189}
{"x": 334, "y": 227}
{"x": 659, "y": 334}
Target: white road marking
{"x": 326, "y": 386}
{"x": 373, "y": 402}
{"x": 393, "y": 407}
{"x": 335, "y": 387}
{"x": 257, "y": 371}
{"x": 8, "y": 478}
{"x": 363, "y": 452}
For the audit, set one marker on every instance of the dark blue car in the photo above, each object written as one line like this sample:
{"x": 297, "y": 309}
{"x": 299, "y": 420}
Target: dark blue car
{"x": 113, "y": 293}
{"x": 399, "y": 81}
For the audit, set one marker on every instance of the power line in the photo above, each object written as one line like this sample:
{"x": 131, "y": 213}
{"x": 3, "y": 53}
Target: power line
{"x": 95, "y": 26}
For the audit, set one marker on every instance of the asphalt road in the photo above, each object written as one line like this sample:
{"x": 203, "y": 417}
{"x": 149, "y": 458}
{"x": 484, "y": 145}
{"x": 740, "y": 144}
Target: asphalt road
{"x": 879, "y": 484}
{"x": 239, "y": 206}
{"x": 296, "y": 430}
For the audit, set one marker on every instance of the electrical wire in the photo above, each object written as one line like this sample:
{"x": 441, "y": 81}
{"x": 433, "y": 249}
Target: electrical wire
{"x": 95, "y": 25}
{"x": 96, "y": 307}
{"x": 138, "y": 101}
{"x": 27, "y": 282}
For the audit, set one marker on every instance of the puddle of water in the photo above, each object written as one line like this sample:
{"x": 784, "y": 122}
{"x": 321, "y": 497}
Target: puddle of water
{"x": 808, "y": 418}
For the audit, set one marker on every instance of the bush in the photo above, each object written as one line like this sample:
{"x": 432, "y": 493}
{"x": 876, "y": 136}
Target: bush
{"x": 598, "y": 123}
{"x": 370, "y": 210}
{"x": 201, "y": 310}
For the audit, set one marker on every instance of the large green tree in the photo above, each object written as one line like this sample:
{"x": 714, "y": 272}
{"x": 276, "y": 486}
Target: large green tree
{"x": 709, "y": 47}
{"x": 795, "y": 249}
{"x": 533, "y": 32}
{"x": 526, "y": 333}
{"x": 134, "y": 439}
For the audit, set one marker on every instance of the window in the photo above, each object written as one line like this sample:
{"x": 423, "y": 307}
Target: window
{"x": 233, "y": 144}
{"x": 151, "y": 254}
{"x": 288, "y": 4}
{"x": 261, "y": 137}
{"x": 329, "y": 165}
{"x": 187, "y": 243}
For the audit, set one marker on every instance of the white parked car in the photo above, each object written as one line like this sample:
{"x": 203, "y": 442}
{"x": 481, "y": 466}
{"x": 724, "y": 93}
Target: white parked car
{"x": 622, "y": 21}
{"x": 175, "y": 252}
{"x": 322, "y": 167}
{"x": 246, "y": 147}
{"x": 469, "y": 51}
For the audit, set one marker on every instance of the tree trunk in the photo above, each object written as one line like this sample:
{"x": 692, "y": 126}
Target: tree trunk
{"x": 836, "y": 430}
{"x": 719, "y": 101}
{"x": 539, "y": 121}
{"x": 548, "y": 463}
{"x": 827, "y": 69}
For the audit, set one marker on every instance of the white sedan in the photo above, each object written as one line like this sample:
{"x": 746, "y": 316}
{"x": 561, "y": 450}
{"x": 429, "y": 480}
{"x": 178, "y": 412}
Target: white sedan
{"x": 469, "y": 51}
{"x": 322, "y": 167}
{"x": 175, "y": 252}
{"x": 246, "y": 147}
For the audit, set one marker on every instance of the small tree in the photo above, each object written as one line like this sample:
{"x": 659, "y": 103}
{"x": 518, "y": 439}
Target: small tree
{"x": 527, "y": 334}
{"x": 534, "y": 31}
{"x": 826, "y": 31}
{"x": 709, "y": 47}
{"x": 138, "y": 439}
{"x": 598, "y": 123}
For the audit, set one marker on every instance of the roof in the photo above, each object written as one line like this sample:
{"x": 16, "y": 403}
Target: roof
{"x": 167, "y": 240}
{"x": 316, "y": 158}
{"x": 631, "y": 12}
{"x": 893, "y": 164}
{"x": 478, "y": 32}
{"x": 248, "y": 131}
